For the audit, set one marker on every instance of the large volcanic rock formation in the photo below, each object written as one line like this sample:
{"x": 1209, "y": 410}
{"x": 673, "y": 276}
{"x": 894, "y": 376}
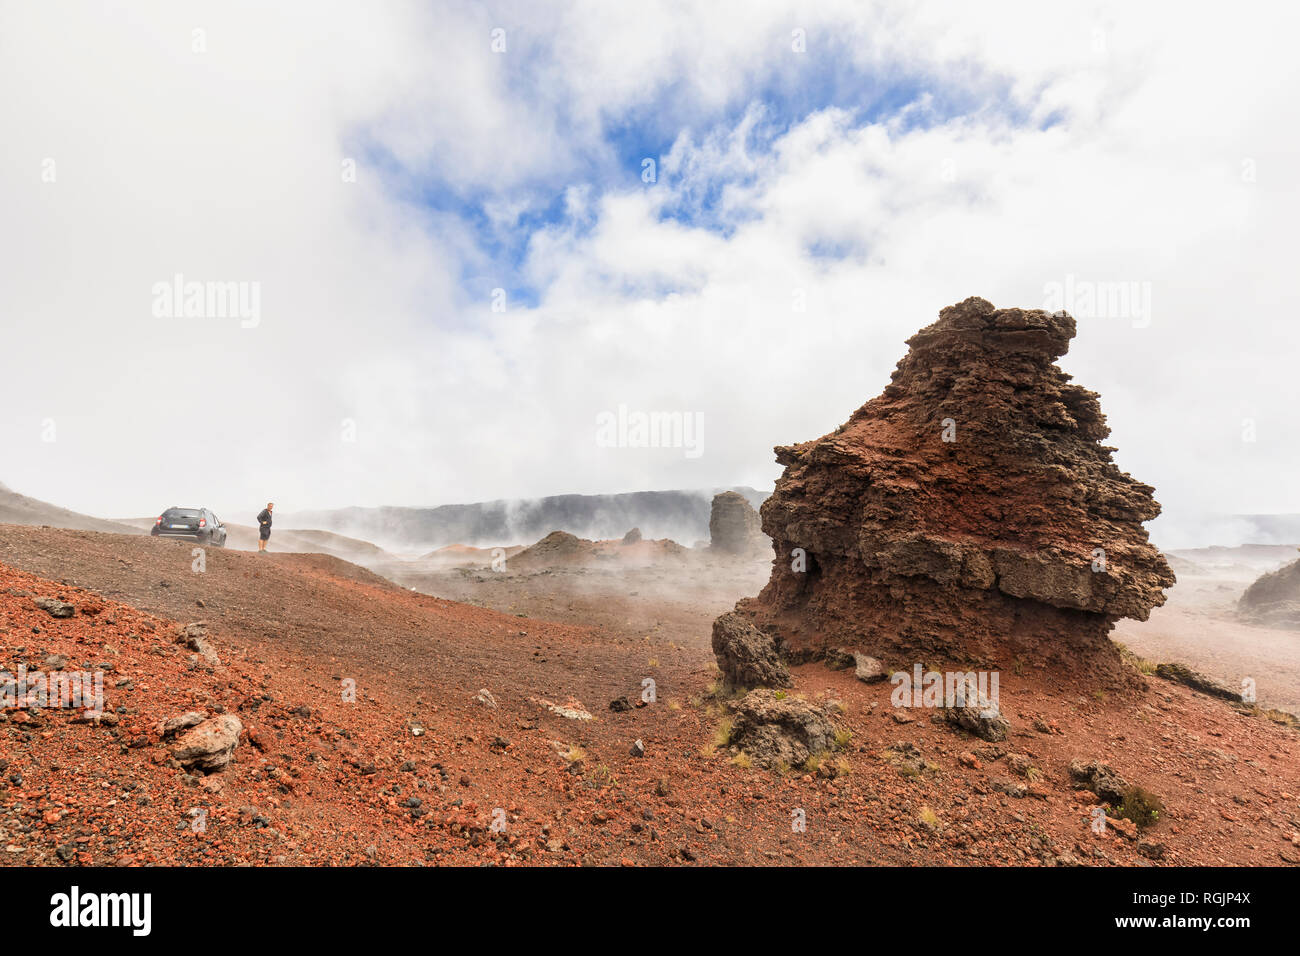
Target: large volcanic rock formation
{"x": 734, "y": 525}
{"x": 969, "y": 513}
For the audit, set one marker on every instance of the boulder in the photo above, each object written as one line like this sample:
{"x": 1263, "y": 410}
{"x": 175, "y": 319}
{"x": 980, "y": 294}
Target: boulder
{"x": 867, "y": 669}
{"x": 54, "y": 607}
{"x": 774, "y": 729}
{"x": 838, "y": 659}
{"x": 1100, "y": 778}
{"x": 974, "y": 711}
{"x": 174, "y": 725}
{"x": 195, "y": 636}
{"x": 747, "y": 656}
{"x": 734, "y": 526}
{"x": 208, "y": 746}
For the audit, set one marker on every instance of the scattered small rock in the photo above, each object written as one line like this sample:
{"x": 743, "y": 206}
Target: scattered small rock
{"x": 973, "y": 711}
{"x": 1012, "y": 788}
{"x": 1100, "y": 778}
{"x": 1151, "y": 849}
{"x": 54, "y": 607}
{"x": 195, "y": 636}
{"x": 209, "y": 745}
{"x": 173, "y": 725}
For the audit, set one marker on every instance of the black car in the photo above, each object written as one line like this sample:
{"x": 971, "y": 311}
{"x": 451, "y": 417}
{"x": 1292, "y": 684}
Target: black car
{"x": 195, "y": 524}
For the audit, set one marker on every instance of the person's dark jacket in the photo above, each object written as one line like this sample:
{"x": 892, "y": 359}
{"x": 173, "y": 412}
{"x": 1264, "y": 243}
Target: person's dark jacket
{"x": 264, "y": 523}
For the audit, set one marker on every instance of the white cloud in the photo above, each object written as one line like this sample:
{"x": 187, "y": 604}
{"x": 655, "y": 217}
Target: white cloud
{"x": 225, "y": 165}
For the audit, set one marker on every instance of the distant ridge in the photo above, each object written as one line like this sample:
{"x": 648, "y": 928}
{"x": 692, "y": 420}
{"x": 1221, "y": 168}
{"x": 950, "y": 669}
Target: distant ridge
{"x": 681, "y": 515}
{"x": 1190, "y": 529}
{"x": 20, "y": 509}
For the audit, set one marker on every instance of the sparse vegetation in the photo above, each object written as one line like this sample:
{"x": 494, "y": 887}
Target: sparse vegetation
{"x": 1276, "y": 716}
{"x": 1141, "y": 806}
{"x": 720, "y": 690}
{"x": 1140, "y": 664}
{"x": 722, "y": 736}
{"x": 742, "y": 760}
{"x": 842, "y": 738}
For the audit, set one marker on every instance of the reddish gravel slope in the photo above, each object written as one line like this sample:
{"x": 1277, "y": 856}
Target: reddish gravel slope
{"x": 318, "y": 779}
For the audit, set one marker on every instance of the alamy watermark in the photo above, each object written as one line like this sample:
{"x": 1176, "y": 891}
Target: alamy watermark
{"x": 57, "y": 689}
{"x": 921, "y": 688}
{"x": 75, "y": 908}
{"x": 636, "y": 429}
{"x": 1100, "y": 300}
{"x": 179, "y": 299}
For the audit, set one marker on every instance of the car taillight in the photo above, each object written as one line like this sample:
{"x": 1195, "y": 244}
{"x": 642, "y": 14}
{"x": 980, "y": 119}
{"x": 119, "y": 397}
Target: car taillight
{"x": 158, "y": 520}
{"x": 203, "y": 522}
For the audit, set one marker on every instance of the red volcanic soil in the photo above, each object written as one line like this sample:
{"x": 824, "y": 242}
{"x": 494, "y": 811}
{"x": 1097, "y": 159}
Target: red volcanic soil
{"x": 316, "y": 779}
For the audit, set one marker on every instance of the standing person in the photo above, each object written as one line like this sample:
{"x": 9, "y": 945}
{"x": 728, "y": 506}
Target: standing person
{"x": 264, "y": 525}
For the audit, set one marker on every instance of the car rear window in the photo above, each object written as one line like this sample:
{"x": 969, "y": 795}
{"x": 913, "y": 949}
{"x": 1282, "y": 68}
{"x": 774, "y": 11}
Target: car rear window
{"x": 181, "y": 513}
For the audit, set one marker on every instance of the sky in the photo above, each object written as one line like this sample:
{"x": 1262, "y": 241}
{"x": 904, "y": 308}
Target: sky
{"x": 429, "y": 252}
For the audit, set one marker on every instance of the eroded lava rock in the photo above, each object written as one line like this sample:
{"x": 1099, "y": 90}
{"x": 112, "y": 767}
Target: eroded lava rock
{"x": 734, "y": 525}
{"x": 747, "y": 656}
{"x": 777, "y": 730}
{"x": 968, "y": 513}
{"x": 209, "y": 744}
